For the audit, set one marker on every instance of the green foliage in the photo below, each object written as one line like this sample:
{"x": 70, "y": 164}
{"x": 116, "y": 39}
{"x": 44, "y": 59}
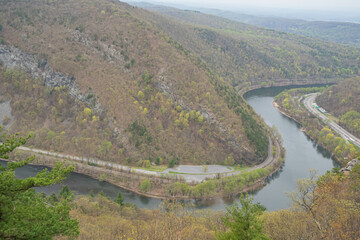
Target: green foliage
{"x": 226, "y": 185}
{"x": 171, "y": 163}
{"x": 88, "y": 112}
{"x": 351, "y": 120}
{"x": 139, "y": 134}
{"x": 103, "y": 177}
{"x": 119, "y": 199}
{"x": 66, "y": 193}
{"x": 25, "y": 214}
{"x": 254, "y": 130}
{"x": 146, "y": 77}
{"x": 229, "y": 161}
{"x": 145, "y": 185}
{"x": 105, "y": 147}
{"x": 243, "y": 223}
{"x": 341, "y": 100}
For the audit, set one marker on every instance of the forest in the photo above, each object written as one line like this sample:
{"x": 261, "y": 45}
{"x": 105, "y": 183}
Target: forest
{"x": 184, "y": 109}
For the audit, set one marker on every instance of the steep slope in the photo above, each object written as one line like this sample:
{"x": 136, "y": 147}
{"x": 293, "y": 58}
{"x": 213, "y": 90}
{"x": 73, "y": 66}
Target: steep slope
{"x": 154, "y": 99}
{"x": 247, "y": 55}
{"x": 343, "y": 101}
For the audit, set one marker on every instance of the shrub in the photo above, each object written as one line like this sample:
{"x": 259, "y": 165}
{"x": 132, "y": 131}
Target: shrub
{"x": 145, "y": 186}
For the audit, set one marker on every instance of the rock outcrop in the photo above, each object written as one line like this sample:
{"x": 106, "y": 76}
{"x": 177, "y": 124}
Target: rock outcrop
{"x": 15, "y": 58}
{"x": 350, "y": 165}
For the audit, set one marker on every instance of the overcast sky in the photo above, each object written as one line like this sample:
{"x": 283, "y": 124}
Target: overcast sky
{"x": 325, "y": 5}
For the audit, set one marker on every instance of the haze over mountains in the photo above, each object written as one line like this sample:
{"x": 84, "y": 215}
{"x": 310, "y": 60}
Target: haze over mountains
{"x": 323, "y": 10}
{"x": 334, "y": 30}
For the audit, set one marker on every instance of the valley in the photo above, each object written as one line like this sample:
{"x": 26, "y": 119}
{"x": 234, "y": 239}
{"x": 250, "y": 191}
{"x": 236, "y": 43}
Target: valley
{"x": 142, "y": 121}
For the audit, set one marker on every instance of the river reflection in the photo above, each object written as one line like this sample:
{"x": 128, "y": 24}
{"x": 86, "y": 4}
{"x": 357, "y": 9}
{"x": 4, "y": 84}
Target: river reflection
{"x": 302, "y": 154}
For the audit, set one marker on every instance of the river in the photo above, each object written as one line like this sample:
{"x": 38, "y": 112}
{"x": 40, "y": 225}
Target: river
{"x": 302, "y": 154}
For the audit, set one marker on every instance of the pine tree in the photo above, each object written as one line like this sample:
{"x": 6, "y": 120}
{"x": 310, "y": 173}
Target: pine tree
{"x": 243, "y": 223}
{"x": 25, "y": 214}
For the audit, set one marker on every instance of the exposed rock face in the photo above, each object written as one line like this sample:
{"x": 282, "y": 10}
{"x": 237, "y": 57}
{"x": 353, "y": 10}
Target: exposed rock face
{"x": 6, "y": 119}
{"x": 15, "y": 58}
{"x": 350, "y": 165}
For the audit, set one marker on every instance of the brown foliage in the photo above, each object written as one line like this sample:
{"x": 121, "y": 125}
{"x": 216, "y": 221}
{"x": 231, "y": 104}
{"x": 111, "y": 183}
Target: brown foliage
{"x": 95, "y": 42}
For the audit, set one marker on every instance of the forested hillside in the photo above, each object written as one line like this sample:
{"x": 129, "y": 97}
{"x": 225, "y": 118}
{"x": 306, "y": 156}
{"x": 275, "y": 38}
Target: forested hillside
{"x": 248, "y": 55}
{"x": 143, "y": 97}
{"x": 343, "y": 101}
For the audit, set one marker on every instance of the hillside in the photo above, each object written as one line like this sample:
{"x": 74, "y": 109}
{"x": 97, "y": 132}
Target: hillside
{"x": 118, "y": 88}
{"x": 342, "y": 100}
{"x": 246, "y": 55}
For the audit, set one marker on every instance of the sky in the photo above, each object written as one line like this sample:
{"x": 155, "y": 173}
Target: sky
{"x": 324, "y": 5}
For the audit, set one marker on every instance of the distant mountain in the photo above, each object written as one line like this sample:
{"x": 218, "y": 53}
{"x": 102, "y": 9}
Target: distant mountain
{"x": 338, "y": 32}
{"x": 246, "y": 55}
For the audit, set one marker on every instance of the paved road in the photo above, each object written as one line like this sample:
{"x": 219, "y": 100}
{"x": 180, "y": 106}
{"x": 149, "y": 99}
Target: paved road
{"x": 309, "y": 101}
{"x": 187, "y": 177}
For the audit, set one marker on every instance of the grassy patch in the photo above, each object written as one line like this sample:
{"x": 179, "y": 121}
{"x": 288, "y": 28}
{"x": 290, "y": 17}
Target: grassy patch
{"x": 239, "y": 168}
{"x": 159, "y": 168}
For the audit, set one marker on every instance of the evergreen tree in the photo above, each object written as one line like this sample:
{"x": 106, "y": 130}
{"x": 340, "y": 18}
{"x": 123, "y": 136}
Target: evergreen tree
{"x": 66, "y": 193}
{"x": 25, "y": 214}
{"x": 120, "y": 199}
{"x": 243, "y": 223}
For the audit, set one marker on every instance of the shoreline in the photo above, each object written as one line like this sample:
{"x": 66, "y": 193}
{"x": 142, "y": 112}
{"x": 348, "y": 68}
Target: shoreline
{"x": 287, "y": 83}
{"x": 282, "y": 111}
{"x": 113, "y": 176}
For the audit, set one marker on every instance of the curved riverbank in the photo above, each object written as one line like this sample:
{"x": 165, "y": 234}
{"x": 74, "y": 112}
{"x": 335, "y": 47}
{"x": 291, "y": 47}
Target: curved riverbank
{"x": 289, "y": 84}
{"x": 131, "y": 179}
{"x": 312, "y": 126}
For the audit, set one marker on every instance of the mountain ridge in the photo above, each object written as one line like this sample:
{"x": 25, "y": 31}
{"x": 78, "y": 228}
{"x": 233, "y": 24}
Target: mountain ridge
{"x": 164, "y": 104}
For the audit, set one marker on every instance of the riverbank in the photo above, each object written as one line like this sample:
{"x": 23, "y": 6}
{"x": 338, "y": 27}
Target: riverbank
{"x": 162, "y": 185}
{"x": 311, "y": 125}
{"x": 287, "y": 83}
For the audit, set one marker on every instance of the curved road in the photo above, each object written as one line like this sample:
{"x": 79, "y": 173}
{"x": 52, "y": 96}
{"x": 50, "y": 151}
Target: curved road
{"x": 309, "y": 101}
{"x": 188, "y": 177}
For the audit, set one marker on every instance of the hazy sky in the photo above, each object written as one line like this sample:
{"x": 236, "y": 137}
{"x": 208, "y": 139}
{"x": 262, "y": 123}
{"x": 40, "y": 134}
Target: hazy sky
{"x": 326, "y": 5}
